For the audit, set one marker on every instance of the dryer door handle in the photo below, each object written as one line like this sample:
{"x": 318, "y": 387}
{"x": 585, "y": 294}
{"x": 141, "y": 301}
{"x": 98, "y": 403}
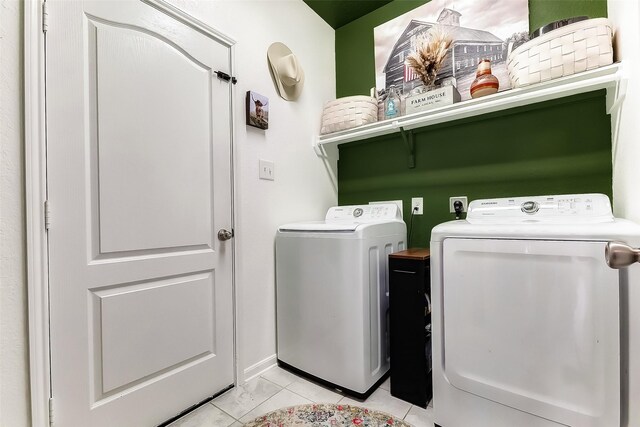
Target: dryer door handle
{"x": 619, "y": 255}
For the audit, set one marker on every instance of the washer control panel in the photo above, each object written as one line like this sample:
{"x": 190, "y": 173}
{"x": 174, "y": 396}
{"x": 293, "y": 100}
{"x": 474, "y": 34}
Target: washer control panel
{"x": 363, "y": 213}
{"x": 562, "y": 208}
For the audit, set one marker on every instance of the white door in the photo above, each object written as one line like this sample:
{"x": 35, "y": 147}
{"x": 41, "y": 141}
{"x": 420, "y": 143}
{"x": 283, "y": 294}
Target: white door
{"x": 139, "y": 160}
{"x": 534, "y": 325}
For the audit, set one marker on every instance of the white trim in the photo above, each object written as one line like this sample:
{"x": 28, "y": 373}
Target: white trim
{"x": 237, "y": 300}
{"x": 259, "y": 368}
{"x": 185, "y": 18}
{"x": 36, "y": 193}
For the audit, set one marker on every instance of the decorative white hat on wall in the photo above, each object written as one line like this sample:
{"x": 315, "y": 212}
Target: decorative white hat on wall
{"x": 287, "y": 72}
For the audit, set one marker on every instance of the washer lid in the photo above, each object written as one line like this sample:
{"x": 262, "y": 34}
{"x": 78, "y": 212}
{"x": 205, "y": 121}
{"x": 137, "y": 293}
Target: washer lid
{"x": 319, "y": 226}
{"x": 562, "y": 209}
{"x": 348, "y": 218}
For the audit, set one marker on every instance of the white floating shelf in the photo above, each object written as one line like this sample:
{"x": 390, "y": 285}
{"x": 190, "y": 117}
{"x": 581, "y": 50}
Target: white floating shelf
{"x": 608, "y": 77}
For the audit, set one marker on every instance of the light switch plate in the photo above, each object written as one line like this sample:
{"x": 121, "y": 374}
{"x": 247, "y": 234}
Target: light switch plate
{"x": 267, "y": 170}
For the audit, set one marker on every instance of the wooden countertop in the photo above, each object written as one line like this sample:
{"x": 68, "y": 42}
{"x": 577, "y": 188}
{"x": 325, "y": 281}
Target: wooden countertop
{"x": 413, "y": 253}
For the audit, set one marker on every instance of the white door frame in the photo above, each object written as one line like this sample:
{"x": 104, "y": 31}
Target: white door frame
{"x": 36, "y": 195}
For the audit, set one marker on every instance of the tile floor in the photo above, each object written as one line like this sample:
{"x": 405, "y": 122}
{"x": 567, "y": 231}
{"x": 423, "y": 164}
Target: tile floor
{"x": 277, "y": 388}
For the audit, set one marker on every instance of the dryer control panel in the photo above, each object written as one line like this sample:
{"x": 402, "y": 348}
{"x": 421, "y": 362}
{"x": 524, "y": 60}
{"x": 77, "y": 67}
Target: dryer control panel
{"x": 593, "y": 208}
{"x": 363, "y": 213}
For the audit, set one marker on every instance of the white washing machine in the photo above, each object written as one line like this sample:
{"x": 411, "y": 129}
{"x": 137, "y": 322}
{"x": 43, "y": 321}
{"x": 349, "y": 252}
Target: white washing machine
{"x": 526, "y": 314}
{"x": 333, "y": 295}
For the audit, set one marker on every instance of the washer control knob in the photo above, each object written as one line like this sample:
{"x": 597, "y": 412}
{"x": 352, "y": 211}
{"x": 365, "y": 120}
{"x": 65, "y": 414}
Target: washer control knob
{"x": 530, "y": 207}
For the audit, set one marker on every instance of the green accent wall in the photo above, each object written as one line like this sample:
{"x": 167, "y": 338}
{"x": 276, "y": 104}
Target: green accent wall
{"x": 340, "y": 12}
{"x": 541, "y": 12}
{"x": 561, "y": 146}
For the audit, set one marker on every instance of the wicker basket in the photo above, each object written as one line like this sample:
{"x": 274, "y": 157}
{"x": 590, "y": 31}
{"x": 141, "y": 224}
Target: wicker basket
{"x": 347, "y": 113}
{"x": 567, "y": 50}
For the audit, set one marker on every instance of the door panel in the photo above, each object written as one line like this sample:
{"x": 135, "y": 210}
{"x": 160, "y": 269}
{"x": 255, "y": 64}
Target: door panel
{"x": 139, "y": 155}
{"x": 182, "y": 307}
{"x": 534, "y": 325}
{"x": 151, "y": 144}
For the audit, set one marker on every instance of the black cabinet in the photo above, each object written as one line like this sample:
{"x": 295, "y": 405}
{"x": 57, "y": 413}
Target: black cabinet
{"x": 410, "y": 326}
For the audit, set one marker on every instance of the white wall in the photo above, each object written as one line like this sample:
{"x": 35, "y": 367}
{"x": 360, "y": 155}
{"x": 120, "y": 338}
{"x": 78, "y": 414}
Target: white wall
{"x": 625, "y": 15}
{"x": 14, "y": 377}
{"x": 302, "y": 189}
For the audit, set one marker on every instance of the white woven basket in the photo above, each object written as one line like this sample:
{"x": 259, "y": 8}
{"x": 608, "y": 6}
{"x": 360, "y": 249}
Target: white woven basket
{"x": 347, "y": 113}
{"x": 567, "y": 50}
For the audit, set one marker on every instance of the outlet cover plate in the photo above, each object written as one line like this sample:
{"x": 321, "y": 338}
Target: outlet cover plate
{"x": 463, "y": 199}
{"x": 416, "y": 202}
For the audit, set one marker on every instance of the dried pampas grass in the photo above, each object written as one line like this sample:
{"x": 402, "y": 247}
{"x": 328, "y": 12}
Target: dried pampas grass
{"x": 431, "y": 49}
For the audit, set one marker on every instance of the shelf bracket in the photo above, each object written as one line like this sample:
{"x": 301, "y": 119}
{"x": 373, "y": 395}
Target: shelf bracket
{"x": 616, "y": 94}
{"x": 322, "y": 153}
{"x": 615, "y": 97}
{"x": 317, "y": 147}
{"x": 407, "y": 136}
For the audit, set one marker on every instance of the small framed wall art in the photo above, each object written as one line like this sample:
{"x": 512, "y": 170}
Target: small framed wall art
{"x": 257, "y": 110}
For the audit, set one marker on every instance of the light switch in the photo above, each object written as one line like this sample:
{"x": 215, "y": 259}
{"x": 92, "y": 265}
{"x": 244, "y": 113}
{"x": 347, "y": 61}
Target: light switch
{"x": 267, "y": 170}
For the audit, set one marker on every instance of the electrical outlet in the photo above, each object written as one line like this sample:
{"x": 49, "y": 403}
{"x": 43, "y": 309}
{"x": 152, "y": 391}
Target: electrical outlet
{"x": 267, "y": 170}
{"x": 462, "y": 199}
{"x": 416, "y": 202}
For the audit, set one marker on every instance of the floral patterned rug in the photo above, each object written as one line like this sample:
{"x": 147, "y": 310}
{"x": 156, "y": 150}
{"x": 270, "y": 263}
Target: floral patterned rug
{"x": 329, "y": 415}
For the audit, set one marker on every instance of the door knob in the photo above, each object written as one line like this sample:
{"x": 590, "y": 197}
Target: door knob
{"x": 619, "y": 255}
{"x": 224, "y": 234}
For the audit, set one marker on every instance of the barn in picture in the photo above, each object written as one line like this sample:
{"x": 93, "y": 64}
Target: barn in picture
{"x": 490, "y": 38}
{"x": 469, "y": 47}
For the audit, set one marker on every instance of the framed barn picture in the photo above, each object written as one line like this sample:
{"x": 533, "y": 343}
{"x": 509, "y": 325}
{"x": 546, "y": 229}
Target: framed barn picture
{"x": 479, "y": 29}
{"x": 257, "y": 110}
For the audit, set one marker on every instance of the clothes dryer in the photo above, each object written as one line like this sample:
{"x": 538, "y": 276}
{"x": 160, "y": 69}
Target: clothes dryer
{"x": 526, "y": 314}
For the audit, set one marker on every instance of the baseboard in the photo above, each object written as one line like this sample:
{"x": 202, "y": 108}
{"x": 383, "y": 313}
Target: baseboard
{"x": 258, "y": 368}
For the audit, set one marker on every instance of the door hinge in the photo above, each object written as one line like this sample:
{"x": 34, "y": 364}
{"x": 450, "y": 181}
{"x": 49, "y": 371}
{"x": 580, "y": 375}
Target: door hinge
{"x": 45, "y": 17}
{"x": 51, "y": 411}
{"x": 47, "y": 215}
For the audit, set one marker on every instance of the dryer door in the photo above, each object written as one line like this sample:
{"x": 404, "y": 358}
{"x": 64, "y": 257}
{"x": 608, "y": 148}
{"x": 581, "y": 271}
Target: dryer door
{"x": 534, "y": 325}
